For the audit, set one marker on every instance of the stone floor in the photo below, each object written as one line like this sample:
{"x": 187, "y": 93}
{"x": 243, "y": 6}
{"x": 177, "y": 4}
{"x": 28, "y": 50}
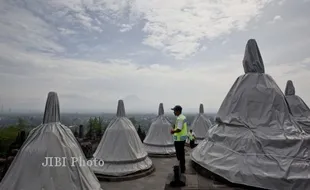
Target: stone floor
{"x": 158, "y": 179}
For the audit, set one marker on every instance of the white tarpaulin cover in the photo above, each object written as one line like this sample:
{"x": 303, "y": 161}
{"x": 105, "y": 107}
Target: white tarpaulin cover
{"x": 201, "y": 125}
{"x": 159, "y": 139}
{"x": 298, "y": 107}
{"x": 50, "y": 139}
{"x": 121, "y": 148}
{"x": 255, "y": 140}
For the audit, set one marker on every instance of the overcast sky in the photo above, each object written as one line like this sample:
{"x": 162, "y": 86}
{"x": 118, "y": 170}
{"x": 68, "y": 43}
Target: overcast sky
{"x": 187, "y": 52}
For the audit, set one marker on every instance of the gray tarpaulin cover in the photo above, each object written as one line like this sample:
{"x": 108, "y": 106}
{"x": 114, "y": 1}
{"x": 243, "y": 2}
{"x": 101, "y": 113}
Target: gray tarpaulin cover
{"x": 201, "y": 125}
{"x": 159, "y": 139}
{"x": 256, "y": 141}
{"x": 121, "y": 148}
{"x": 50, "y": 139}
{"x": 298, "y": 107}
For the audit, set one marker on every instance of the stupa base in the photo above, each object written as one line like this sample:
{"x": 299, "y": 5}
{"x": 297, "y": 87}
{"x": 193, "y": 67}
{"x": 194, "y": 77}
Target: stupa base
{"x": 208, "y": 174}
{"x": 133, "y": 176}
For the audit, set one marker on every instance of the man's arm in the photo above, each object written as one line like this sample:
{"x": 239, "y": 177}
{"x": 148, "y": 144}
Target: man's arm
{"x": 179, "y": 126}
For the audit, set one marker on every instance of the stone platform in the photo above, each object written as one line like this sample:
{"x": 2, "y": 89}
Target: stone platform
{"x": 159, "y": 179}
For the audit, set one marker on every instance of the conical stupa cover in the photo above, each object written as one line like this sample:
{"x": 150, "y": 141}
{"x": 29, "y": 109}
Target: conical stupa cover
{"x": 201, "y": 125}
{"x": 289, "y": 89}
{"x": 158, "y": 139}
{"x": 121, "y": 148}
{"x": 161, "y": 109}
{"x": 297, "y": 106}
{"x": 50, "y": 139}
{"x": 120, "y": 109}
{"x": 256, "y": 103}
{"x": 51, "y": 113}
{"x": 253, "y": 61}
{"x": 256, "y": 141}
{"x": 201, "y": 108}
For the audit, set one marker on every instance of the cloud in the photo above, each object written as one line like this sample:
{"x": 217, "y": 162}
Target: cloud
{"x": 306, "y": 60}
{"x": 281, "y": 2}
{"x": 275, "y": 19}
{"x": 125, "y": 28}
{"x": 176, "y": 27}
{"x": 96, "y": 52}
{"x": 24, "y": 30}
{"x": 98, "y": 85}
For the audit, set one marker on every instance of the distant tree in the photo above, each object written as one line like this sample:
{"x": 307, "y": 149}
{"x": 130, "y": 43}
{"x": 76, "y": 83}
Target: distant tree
{"x": 133, "y": 121}
{"x": 98, "y": 126}
{"x": 22, "y": 124}
{"x": 95, "y": 127}
{"x": 90, "y": 127}
{"x": 8, "y": 136}
{"x": 104, "y": 127}
{"x": 141, "y": 133}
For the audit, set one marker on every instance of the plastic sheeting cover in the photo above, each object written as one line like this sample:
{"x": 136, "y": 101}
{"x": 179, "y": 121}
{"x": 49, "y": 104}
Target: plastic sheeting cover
{"x": 50, "y": 139}
{"x": 256, "y": 141}
{"x": 253, "y": 61}
{"x": 51, "y": 113}
{"x": 121, "y": 148}
{"x": 158, "y": 139}
{"x": 298, "y": 107}
{"x": 289, "y": 89}
{"x": 201, "y": 125}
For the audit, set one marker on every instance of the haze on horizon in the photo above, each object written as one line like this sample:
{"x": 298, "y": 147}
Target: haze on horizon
{"x": 93, "y": 53}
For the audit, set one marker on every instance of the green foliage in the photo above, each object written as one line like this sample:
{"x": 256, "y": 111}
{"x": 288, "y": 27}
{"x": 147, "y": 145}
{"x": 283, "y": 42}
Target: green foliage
{"x": 8, "y": 135}
{"x": 96, "y": 126}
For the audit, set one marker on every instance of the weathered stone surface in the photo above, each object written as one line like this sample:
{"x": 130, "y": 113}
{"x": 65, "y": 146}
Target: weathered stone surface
{"x": 191, "y": 181}
{"x": 159, "y": 181}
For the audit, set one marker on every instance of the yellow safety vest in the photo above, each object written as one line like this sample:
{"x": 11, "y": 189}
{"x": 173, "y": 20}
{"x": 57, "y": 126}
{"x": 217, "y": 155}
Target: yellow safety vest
{"x": 182, "y": 135}
{"x": 191, "y": 136}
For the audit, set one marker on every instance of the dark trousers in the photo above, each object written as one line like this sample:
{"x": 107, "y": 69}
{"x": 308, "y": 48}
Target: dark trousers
{"x": 192, "y": 143}
{"x": 180, "y": 152}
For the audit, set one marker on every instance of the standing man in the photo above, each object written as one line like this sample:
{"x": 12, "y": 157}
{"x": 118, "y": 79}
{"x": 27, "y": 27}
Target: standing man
{"x": 180, "y": 135}
{"x": 191, "y": 137}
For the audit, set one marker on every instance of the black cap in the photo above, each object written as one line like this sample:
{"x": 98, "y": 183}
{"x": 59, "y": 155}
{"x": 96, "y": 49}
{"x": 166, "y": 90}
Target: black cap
{"x": 177, "y": 108}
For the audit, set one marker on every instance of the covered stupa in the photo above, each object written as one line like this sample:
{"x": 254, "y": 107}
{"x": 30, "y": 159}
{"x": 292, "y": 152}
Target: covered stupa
{"x": 298, "y": 107}
{"x": 50, "y": 139}
{"x": 159, "y": 140}
{"x": 121, "y": 148}
{"x": 255, "y": 140}
{"x": 201, "y": 125}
